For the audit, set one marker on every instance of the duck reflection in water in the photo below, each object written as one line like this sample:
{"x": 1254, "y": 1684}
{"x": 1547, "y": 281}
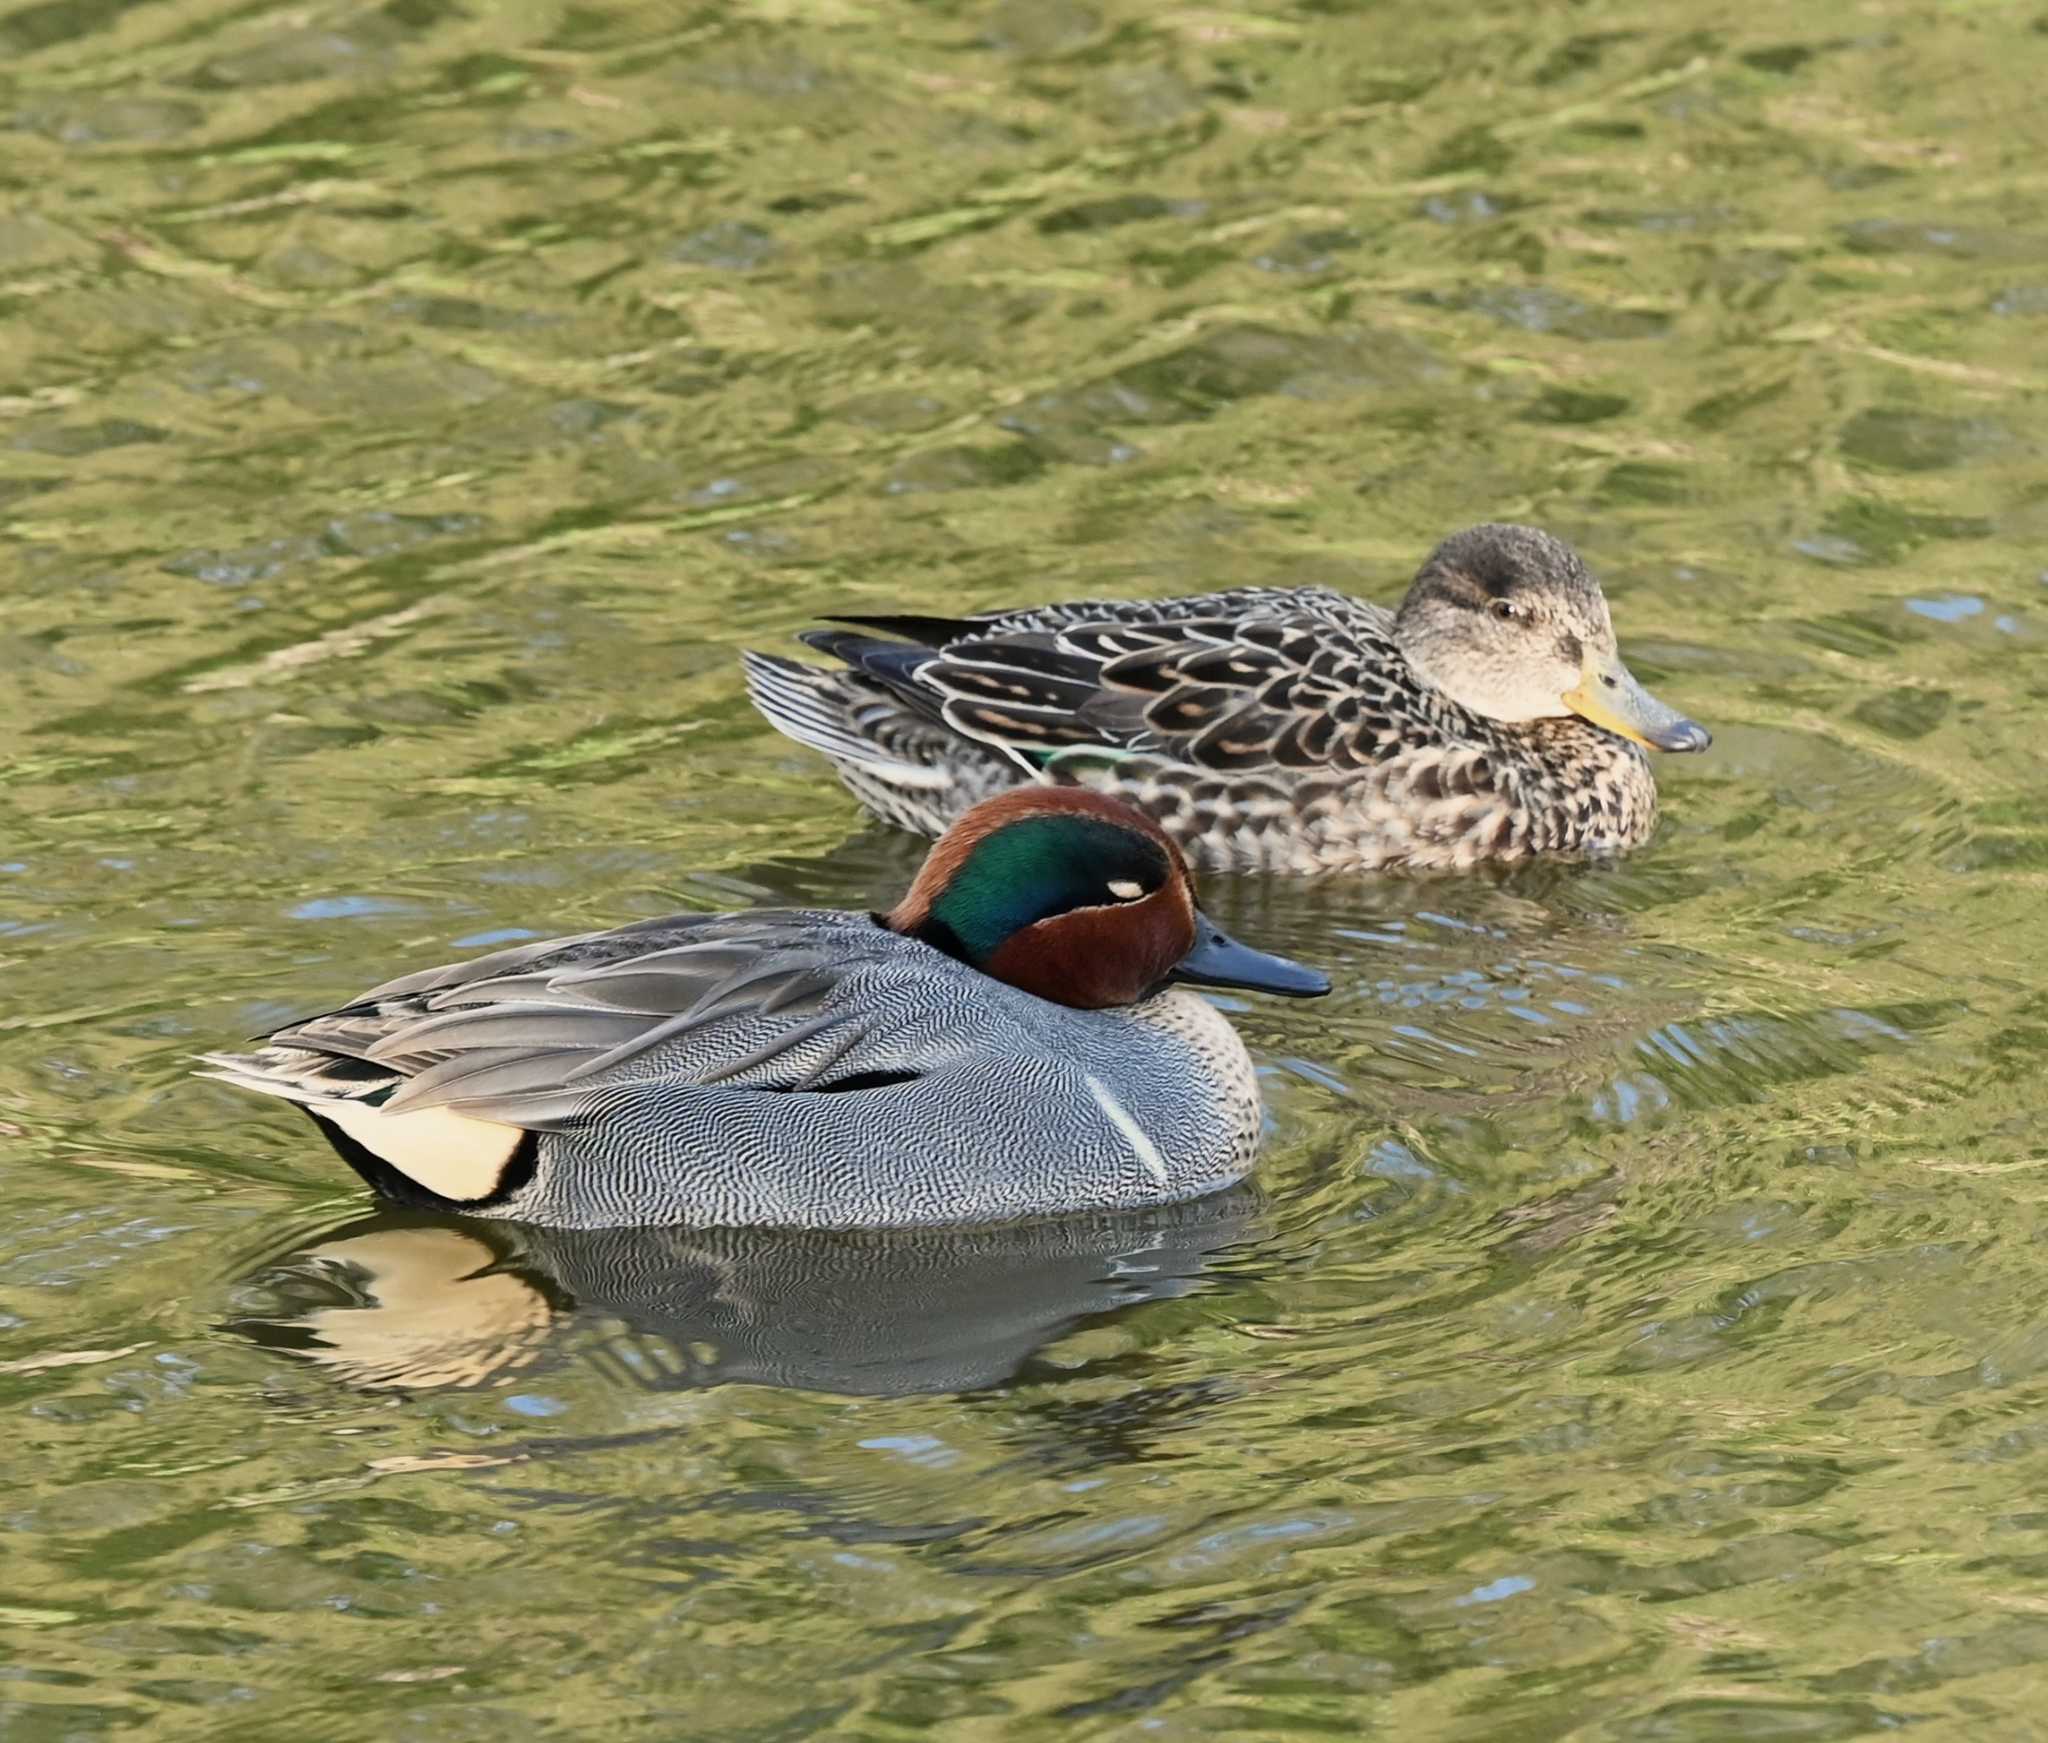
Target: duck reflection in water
{"x": 418, "y": 1302}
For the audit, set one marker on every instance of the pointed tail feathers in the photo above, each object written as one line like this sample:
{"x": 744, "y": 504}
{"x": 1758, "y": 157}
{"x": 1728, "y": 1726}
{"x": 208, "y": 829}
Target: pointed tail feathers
{"x": 899, "y": 760}
{"x": 298, "y": 1074}
{"x": 815, "y": 706}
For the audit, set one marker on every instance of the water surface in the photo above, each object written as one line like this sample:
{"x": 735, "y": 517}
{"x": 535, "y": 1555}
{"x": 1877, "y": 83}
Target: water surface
{"x": 406, "y": 412}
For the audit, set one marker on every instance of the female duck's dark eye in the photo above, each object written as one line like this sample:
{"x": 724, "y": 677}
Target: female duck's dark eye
{"x": 1504, "y": 609}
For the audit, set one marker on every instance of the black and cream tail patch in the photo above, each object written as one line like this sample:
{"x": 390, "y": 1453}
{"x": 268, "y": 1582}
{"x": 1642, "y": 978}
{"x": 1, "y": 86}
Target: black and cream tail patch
{"x": 431, "y": 1154}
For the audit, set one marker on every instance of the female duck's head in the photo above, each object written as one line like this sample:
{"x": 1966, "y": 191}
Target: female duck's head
{"x": 1080, "y": 899}
{"x": 1507, "y": 622}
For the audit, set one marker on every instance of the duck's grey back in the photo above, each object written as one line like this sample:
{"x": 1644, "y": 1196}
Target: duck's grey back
{"x": 787, "y": 1067}
{"x": 781, "y": 1068}
{"x": 960, "y": 1100}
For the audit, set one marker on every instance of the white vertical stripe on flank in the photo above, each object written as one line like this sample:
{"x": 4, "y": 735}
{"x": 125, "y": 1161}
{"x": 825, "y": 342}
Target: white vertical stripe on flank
{"x": 1142, "y": 1147}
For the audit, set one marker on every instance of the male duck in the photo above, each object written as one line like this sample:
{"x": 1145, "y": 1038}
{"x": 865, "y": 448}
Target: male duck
{"x": 1268, "y": 729}
{"x": 1006, "y": 1043}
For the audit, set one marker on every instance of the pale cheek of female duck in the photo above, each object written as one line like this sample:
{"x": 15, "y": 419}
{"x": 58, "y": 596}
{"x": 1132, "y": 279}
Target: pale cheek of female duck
{"x": 1510, "y": 670}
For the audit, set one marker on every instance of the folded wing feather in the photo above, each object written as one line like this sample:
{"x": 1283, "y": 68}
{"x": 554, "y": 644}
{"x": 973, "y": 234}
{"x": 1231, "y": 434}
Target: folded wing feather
{"x": 442, "y": 1074}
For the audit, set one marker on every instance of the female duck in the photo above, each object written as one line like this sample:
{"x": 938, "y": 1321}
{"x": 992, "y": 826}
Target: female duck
{"x": 1006, "y": 1043}
{"x": 1268, "y": 729}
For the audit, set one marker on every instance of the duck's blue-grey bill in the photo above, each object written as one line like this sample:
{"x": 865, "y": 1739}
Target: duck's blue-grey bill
{"x": 1219, "y": 960}
{"x": 1687, "y": 735}
{"x": 1608, "y": 695}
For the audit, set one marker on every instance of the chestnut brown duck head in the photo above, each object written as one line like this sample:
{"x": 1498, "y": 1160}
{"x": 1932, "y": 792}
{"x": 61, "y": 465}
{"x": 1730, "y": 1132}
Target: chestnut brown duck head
{"x": 1082, "y": 899}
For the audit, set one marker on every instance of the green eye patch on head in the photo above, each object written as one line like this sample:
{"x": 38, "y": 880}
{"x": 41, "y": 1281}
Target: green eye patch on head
{"x": 1037, "y": 867}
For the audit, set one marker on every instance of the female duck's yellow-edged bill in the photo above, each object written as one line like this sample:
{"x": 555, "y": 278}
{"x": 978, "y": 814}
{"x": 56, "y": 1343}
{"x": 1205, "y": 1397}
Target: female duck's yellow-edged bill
{"x": 1009, "y": 1041}
{"x": 1268, "y": 729}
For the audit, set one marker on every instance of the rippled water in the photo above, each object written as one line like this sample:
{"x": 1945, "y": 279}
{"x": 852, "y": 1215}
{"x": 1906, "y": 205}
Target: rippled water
{"x": 1638, "y": 1328}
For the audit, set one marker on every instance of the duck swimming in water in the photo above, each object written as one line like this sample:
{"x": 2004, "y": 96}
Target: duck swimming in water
{"x": 1011, "y": 1040}
{"x": 1267, "y": 729}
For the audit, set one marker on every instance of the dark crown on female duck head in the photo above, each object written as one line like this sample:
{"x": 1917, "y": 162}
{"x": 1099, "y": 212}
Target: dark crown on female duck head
{"x": 1508, "y": 622}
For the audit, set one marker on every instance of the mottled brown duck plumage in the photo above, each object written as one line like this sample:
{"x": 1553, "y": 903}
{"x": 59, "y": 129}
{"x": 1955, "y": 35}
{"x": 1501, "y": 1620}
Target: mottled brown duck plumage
{"x": 1268, "y": 729}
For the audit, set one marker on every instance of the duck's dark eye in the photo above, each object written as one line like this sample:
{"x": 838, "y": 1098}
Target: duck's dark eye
{"x": 1504, "y": 609}
{"x": 1126, "y": 889}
